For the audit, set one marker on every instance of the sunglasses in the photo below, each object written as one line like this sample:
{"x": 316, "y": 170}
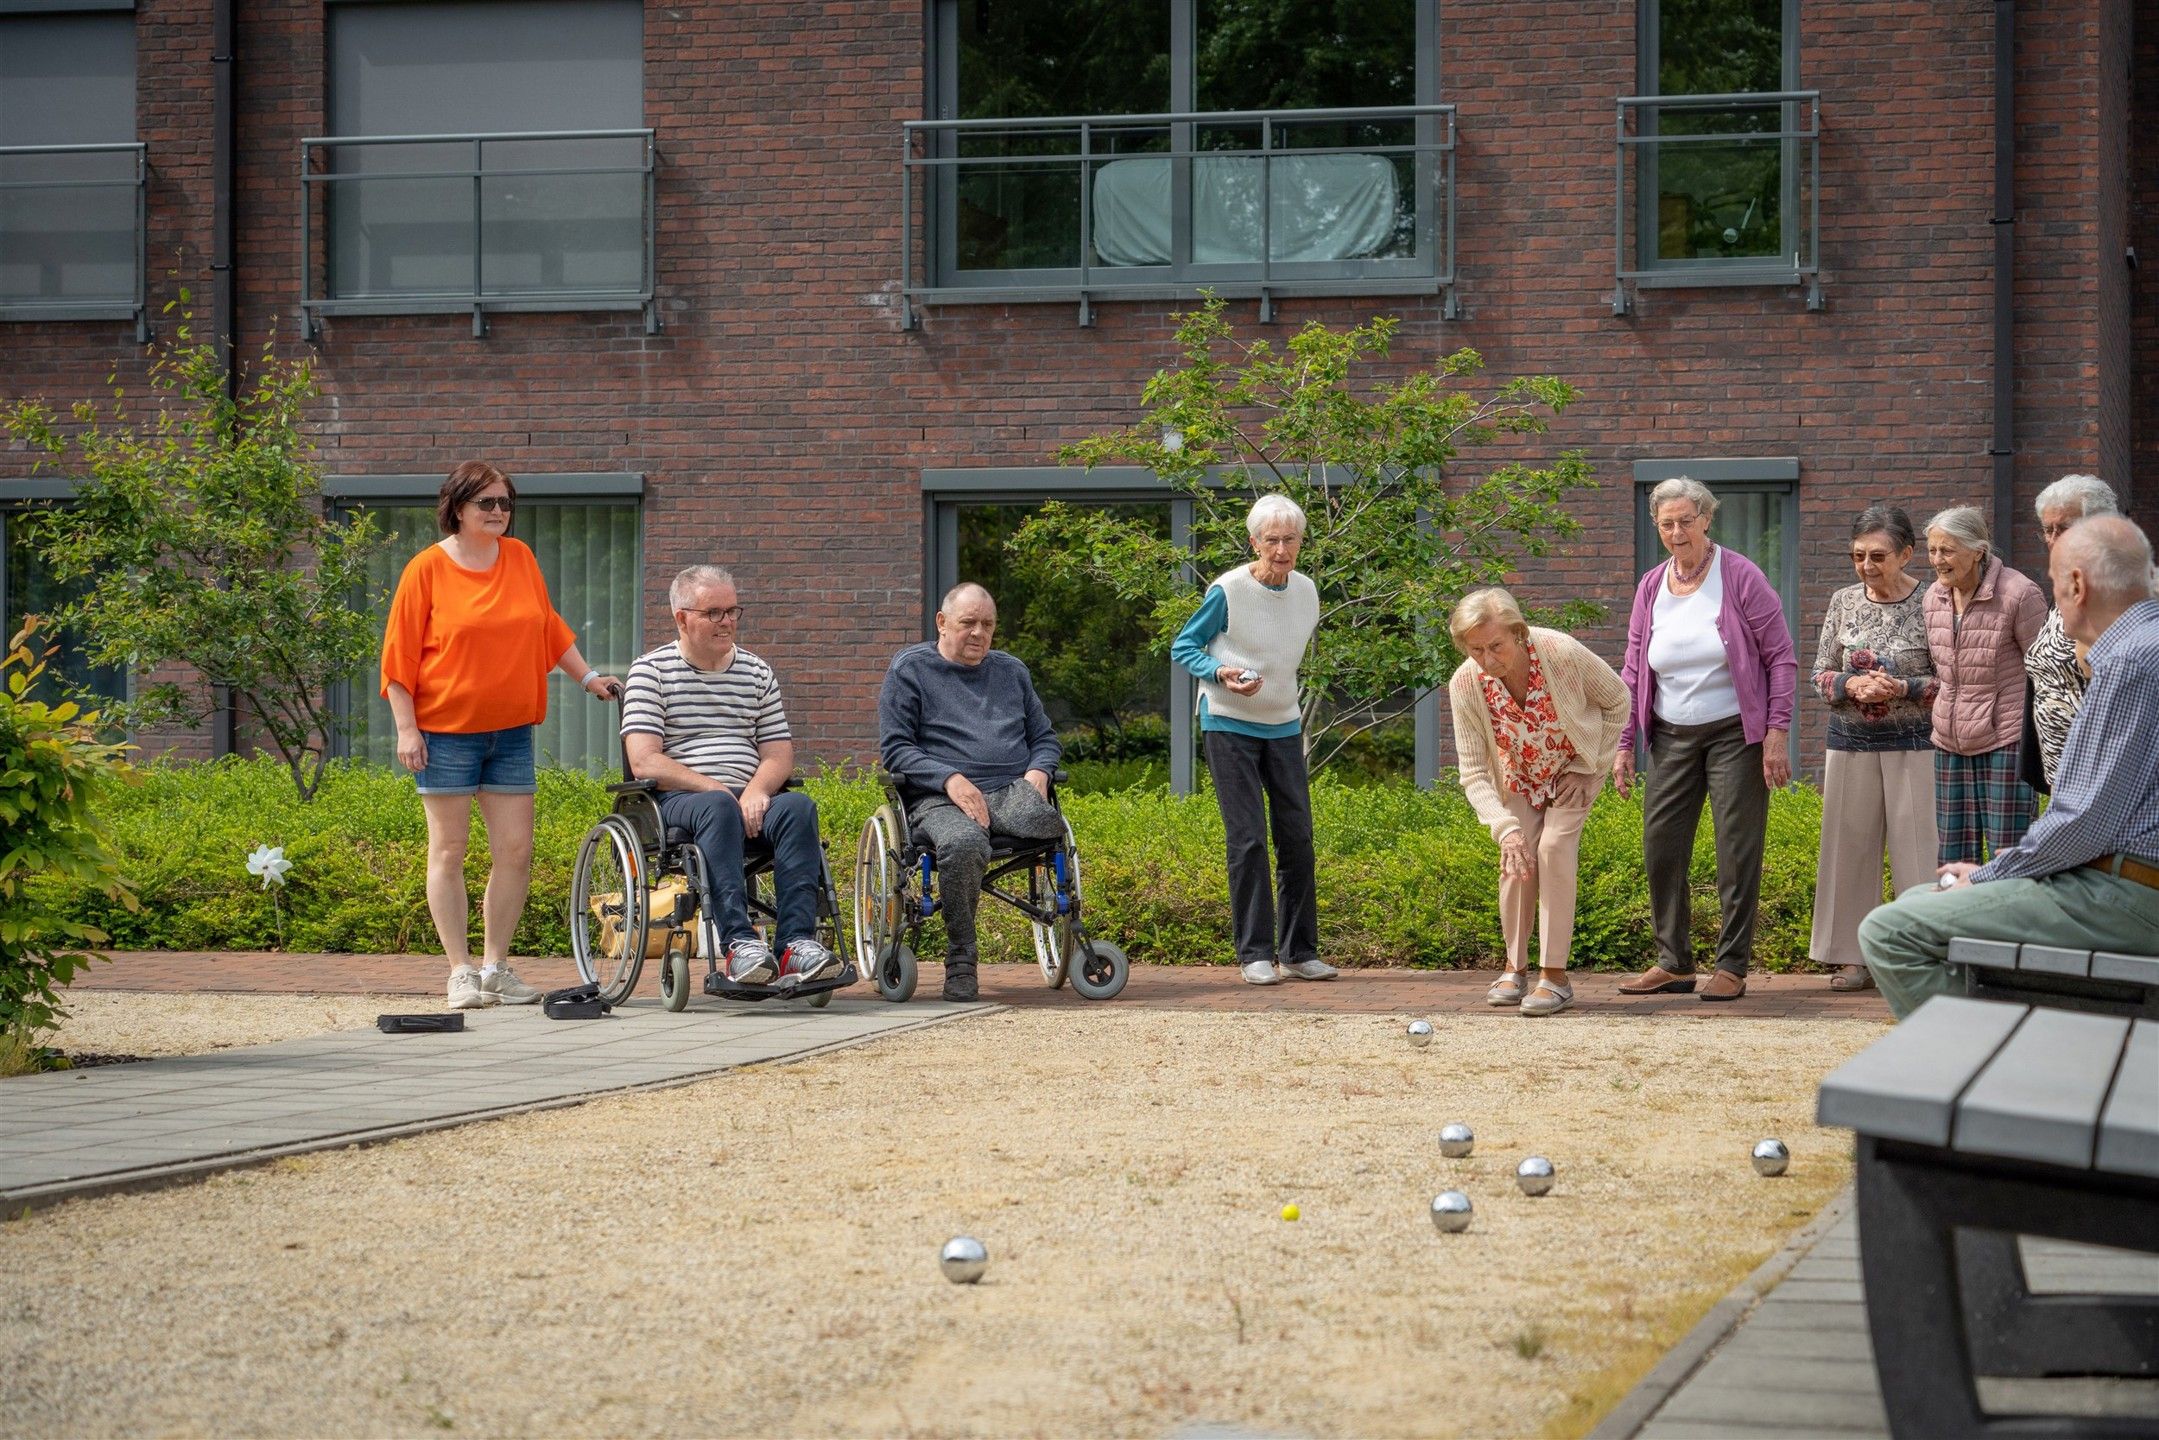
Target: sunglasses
{"x": 501, "y": 503}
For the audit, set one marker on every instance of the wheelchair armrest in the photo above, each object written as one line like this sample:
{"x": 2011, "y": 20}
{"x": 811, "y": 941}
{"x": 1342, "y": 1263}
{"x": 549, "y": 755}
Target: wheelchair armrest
{"x": 633, "y": 787}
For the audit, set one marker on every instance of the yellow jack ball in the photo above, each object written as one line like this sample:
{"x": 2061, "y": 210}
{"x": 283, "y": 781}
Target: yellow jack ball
{"x": 1290, "y": 1212}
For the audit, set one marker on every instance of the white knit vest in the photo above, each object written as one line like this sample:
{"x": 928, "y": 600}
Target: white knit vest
{"x": 1267, "y": 632}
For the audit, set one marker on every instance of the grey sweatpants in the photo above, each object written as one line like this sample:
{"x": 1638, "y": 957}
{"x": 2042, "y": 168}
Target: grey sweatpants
{"x": 963, "y": 850}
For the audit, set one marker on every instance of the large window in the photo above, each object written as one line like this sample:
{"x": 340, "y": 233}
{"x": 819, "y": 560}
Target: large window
{"x": 1127, "y": 142}
{"x": 71, "y": 172}
{"x": 587, "y": 543}
{"x": 1722, "y": 143}
{"x": 28, "y": 587}
{"x": 484, "y": 152}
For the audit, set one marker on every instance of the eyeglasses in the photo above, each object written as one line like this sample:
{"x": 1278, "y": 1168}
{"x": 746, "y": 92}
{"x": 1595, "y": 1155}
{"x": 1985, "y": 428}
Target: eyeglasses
{"x": 2055, "y": 532}
{"x": 502, "y": 503}
{"x": 718, "y": 617}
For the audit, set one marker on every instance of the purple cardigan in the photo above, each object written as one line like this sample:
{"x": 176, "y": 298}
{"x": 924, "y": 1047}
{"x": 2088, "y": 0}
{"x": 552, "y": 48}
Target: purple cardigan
{"x": 1765, "y": 668}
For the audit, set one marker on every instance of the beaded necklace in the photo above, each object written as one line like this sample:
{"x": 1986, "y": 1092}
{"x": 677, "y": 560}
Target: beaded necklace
{"x": 1700, "y": 570}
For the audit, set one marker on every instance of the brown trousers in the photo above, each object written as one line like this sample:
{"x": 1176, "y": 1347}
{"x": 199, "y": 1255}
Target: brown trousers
{"x": 1688, "y": 762}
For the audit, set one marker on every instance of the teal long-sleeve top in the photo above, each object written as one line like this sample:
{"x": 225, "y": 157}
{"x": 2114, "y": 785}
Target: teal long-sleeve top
{"x": 1189, "y": 649}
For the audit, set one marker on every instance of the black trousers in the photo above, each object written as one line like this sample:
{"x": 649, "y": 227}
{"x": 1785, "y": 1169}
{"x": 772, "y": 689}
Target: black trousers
{"x": 1688, "y": 762}
{"x": 1262, "y": 785}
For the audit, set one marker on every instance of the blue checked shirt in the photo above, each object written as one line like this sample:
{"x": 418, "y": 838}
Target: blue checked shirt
{"x": 2106, "y": 795}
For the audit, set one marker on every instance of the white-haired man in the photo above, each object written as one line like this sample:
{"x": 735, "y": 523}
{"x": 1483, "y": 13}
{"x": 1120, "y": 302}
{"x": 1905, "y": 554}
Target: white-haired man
{"x": 2056, "y": 669}
{"x": 2086, "y": 875}
{"x": 1244, "y": 645}
{"x": 703, "y": 717}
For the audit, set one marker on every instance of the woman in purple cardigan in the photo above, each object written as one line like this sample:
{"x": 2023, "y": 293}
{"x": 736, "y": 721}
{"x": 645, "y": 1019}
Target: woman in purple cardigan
{"x": 1713, "y": 675}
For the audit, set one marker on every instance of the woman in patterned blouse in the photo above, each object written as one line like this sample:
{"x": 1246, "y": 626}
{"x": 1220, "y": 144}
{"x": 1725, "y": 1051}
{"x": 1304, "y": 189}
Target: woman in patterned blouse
{"x": 2057, "y": 672}
{"x": 1873, "y": 670}
{"x": 1537, "y": 718}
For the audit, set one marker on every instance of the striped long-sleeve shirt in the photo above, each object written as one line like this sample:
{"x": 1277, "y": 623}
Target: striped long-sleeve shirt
{"x": 2106, "y": 795}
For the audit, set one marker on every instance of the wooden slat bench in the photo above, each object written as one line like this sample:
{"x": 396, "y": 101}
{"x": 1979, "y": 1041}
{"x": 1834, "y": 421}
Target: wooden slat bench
{"x": 2096, "y": 980}
{"x": 1979, "y": 1121}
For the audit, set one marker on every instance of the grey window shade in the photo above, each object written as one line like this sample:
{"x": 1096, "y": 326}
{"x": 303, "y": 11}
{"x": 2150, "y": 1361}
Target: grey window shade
{"x": 67, "y": 80}
{"x": 496, "y": 68}
{"x": 589, "y": 554}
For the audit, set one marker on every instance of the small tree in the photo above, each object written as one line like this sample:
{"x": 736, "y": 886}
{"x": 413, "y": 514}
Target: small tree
{"x": 1391, "y": 545}
{"x": 53, "y": 767}
{"x": 199, "y": 539}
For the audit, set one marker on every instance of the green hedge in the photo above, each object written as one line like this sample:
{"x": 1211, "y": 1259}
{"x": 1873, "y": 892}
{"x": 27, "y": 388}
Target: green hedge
{"x": 1406, "y": 877}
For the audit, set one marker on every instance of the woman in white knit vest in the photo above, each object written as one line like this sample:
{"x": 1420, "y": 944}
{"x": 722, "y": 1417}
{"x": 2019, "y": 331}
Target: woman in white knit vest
{"x": 1244, "y": 647}
{"x": 1537, "y": 720}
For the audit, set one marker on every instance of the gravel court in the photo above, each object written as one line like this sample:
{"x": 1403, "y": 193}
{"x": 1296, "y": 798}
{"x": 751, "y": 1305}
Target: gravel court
{"x": 756, "y": 1254}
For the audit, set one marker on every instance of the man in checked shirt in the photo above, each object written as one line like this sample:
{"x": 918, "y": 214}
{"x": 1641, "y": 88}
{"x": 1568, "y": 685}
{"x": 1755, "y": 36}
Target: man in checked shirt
{"x": 2086, "y": 875}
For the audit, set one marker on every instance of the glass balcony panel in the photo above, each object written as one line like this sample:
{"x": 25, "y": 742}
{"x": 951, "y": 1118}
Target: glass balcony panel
{"x": 1719, "y": 199}
{"x": 544, "y": 234}
{"x": 73, "y": 245}
{"x": 394, "y": 239}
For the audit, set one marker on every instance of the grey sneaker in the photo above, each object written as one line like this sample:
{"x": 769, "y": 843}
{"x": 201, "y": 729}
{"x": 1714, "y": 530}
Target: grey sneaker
{"x": 1313, "y": 969}
{"x": 465, "y": 991}
{"x": 507, "y": 989}
{"x": 1262, "y": 972}
{"x": 750, "y": 962}
{"x": 808, "y": 960}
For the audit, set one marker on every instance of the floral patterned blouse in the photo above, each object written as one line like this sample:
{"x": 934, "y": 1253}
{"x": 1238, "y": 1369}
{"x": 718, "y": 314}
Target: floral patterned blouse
{"x": 1533, "y": 750}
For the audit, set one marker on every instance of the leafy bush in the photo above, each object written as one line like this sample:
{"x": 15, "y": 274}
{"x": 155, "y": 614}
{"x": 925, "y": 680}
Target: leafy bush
{"x": 1406, "y": 877}
{"x": 53, "y": 862}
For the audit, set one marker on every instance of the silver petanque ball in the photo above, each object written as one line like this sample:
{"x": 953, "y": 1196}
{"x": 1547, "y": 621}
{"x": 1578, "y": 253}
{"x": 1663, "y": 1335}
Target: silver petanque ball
{"x": 1771, "y": 1157}
{"x": 1420, "y": 1033}
{"x": 1456, "y": 1141}
{"x": 964, "y": 1259}
{"x": 1534, "y": 1175}
{"x": 1451, "y": 1212}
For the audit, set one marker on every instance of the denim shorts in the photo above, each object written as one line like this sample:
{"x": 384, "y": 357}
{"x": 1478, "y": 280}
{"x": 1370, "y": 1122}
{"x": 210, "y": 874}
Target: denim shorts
{"x": 498, "y": 762}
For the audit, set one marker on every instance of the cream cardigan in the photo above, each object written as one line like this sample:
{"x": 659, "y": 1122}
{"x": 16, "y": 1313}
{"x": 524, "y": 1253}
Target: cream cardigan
{"x": 1592, "y": 705}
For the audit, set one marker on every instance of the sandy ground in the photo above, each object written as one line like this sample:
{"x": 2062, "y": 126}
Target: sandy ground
{"x": 756, "y": 1254}
{"x": 111, "y": 1022}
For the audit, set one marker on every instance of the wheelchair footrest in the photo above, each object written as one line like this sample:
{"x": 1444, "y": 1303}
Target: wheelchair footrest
{"x": 726, "y": 989}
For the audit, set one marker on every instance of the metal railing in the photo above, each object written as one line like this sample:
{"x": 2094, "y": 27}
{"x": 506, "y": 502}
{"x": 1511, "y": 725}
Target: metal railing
{"x": 58, "y": 171}
{"x": 339, "y": 168}
{"x": 932, "y": 165}
{"x": 1799, "y": 169}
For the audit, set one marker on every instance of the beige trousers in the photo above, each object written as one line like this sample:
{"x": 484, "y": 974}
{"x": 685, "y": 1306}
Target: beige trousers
{"x": 1871, "y": 800}
{"x": 1546, "y": 895}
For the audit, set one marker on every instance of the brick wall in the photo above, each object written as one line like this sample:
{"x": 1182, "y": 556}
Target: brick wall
{"x": 2143, "y": 227}
{"x": 783, "y": 418}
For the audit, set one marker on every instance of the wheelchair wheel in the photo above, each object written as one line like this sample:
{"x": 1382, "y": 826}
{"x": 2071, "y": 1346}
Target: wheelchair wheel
{"x": 1053, "y": 949}
{"x": 675, "y": 974}
{"x": 608, "y": 909}
{"x": 1099, "y": 969}
{"x": 821, "y": 999}
{"x": 880, "y": 896}
{"x": 896, "y": 973}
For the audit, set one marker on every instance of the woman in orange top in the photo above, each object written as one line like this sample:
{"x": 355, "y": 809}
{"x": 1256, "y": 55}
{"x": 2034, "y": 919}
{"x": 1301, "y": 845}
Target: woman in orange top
{"x": 465, "y": 659}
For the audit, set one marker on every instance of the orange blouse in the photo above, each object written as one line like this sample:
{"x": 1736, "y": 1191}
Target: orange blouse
{"x": 474, "y": 647}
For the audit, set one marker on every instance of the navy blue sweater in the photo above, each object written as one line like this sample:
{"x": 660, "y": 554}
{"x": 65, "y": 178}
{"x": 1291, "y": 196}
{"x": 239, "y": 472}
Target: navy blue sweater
{"x": 937, "y": 718}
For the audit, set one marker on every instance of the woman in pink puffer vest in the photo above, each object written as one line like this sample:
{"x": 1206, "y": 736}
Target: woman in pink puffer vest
{"x": 1981, "y": 618}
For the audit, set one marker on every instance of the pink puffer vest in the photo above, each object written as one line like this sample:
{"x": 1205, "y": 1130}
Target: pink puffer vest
{"x": 1979, "y": 658}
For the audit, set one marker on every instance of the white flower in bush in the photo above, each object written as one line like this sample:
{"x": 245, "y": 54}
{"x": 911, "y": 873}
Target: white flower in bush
{"x": 270, "y": 863}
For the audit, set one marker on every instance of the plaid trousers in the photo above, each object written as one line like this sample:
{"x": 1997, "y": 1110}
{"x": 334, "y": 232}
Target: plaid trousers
{"x": 1981, "y": 808}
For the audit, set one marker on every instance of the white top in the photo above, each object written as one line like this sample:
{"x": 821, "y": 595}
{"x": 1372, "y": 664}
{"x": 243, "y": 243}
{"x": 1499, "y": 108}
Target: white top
{"x": 1686, "y": 654}
{"x": 1266, "y": 631}
{"x": 713, "y": 721}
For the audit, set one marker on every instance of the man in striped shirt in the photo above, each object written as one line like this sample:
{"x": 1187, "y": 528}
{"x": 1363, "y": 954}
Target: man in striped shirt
{"x": 2086, "y": 875}
{"x": 702, "y": 716}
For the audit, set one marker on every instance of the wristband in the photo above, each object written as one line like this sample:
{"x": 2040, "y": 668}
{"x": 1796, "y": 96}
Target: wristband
{"x": 590, "y": 676}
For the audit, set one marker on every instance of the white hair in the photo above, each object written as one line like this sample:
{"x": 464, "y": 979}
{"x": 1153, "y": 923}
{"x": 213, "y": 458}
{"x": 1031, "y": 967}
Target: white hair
{"x": 2115, "y": 556}
{"x": 1687, "y": 488}
{"x": 697, "y": 577}
{"x": 1268, "y": 509}
{"x": 1965, "y": 525}
{"x": 2088, "y": 495}
{"x": 1485, "y": 607}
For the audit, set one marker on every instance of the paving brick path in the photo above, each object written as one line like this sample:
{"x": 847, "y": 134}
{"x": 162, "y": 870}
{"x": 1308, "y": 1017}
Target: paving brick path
{"x": 1165, "y": 987}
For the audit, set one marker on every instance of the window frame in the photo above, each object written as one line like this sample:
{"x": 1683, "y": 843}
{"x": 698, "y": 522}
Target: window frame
{"x": 342, "y": 495}
{"x": 23, "y": 497}
{"x": 1429, "y": 270}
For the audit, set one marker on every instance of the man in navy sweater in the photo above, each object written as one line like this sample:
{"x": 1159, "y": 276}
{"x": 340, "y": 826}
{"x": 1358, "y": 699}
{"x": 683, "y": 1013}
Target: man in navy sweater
{"x": 964, "y": 733}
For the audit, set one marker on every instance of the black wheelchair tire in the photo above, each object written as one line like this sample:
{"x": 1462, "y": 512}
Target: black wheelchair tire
{"x": 1097, "y": 969}
{"x": 621, "y": 845}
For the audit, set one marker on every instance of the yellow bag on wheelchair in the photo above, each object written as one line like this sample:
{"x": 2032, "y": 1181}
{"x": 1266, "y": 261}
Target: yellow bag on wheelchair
{"x": 663, "y": 902}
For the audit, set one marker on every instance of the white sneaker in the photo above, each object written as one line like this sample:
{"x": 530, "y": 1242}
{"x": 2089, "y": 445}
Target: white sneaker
{"x": 750, "y": 962}
{"x": 1262, "y": 972}
{"x": 507, "y": 989}
{"x": 465, "y": 991}
{"x": 1313, "y": 969}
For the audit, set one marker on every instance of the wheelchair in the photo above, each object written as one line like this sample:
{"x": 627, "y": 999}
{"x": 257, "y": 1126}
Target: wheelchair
{"x": 896, "y": 890}
{"x": 637, "y": 894}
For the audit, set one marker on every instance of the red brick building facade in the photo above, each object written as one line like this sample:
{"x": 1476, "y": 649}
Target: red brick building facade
{"x": 785, "y": 414}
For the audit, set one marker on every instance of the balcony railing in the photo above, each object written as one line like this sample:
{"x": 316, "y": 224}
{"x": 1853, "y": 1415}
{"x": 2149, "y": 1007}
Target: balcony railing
{"x": 1262, "y": 203}
{"x": 1723, "y": 190}
{"x": 431, "y": 224}
{"x": 72, "y": 232}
